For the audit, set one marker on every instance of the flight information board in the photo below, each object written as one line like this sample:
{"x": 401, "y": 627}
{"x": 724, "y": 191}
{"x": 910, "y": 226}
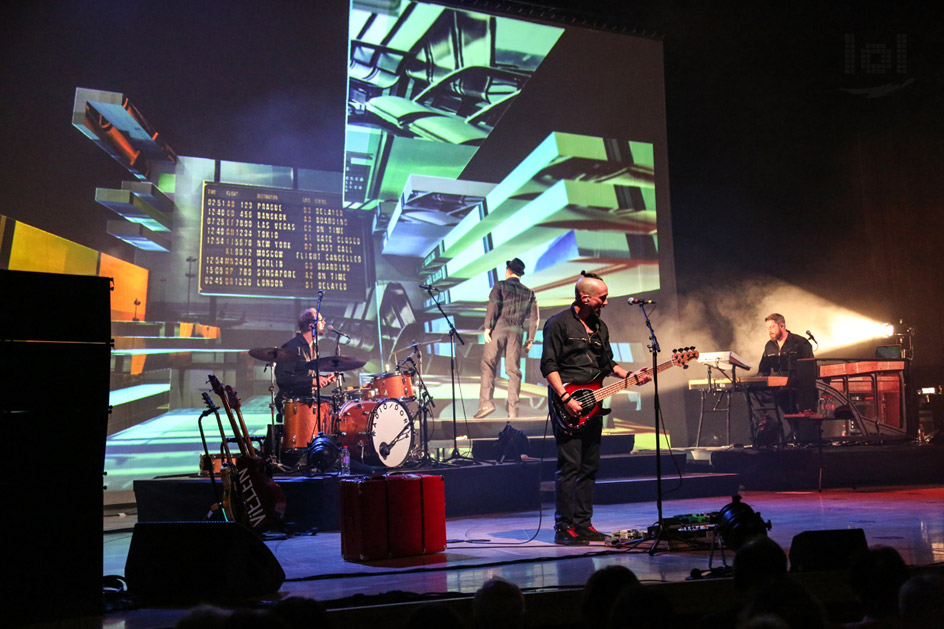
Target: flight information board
{"x": 271, "y": 242}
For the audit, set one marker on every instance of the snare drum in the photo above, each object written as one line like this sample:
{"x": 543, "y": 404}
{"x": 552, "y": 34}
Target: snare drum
{"x": 355, "y": 394}
{"x": 300, "y": 422}
{"x": 377, "y": 431}
{"x": 391, "y": 385}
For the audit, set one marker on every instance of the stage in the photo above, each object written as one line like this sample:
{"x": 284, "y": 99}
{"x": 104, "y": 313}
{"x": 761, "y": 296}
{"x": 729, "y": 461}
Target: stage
{"x": 517, "y": 545}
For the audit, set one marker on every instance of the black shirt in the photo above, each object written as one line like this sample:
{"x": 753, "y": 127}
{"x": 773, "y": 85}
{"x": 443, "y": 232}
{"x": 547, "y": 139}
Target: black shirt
{"x": 295, "y": 378}
{"x": 780, "y": 361}
{"x": 579, "y": 357}
{"x": 509, "y": 304}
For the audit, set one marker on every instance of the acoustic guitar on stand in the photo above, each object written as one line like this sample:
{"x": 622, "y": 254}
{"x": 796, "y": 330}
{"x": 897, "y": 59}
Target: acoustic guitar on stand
{"x": 591, "y": 394}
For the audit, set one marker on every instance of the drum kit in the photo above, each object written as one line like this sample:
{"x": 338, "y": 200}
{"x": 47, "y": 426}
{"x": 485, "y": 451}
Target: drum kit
{"x": 377, "y": 422}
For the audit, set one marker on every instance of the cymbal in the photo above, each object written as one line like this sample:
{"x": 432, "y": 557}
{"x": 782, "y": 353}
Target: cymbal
{"x": 328, "y": 364}
{"x": 273, "y": 354}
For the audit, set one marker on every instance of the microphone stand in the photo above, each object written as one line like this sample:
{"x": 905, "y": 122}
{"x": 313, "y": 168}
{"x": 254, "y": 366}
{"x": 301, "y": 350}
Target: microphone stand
{"x": 662, "y": 535}
{"x": 453, "y": 335}
{"x": 317, "y": 381}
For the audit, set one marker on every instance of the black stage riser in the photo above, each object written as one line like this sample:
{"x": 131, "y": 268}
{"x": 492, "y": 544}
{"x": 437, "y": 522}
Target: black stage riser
{"x": 615, "y": 466}
{"x": 624, "y": 490}
{"x": 315, "y": 503}
{"x": 851, "y": 466}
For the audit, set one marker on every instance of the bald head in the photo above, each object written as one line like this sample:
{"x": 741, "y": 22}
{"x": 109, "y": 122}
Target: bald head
{"x": 589, "y": 286}
{"x": 591, "y": 293}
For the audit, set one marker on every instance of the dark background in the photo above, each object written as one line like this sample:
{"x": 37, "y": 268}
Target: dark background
{"x": 778, "y": 171}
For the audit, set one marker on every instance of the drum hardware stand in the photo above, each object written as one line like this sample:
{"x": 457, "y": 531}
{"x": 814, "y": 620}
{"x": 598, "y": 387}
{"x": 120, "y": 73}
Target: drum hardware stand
{"x": 424, "y": 404}
{"x": 317, "y": 356}
{"x": 276, "y": 455}
{"x": 453, "y": 335}
{"x": 337, "y": 398}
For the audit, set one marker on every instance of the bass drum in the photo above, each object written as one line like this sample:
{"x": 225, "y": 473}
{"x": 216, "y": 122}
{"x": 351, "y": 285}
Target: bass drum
{"x": 354, "y": 426}
{"x": 377, "y": 432}
{"x": 392, "y": 434}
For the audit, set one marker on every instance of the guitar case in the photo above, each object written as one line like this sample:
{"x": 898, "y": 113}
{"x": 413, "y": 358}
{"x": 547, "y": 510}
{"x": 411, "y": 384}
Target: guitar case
{"x": 392, "y": 516}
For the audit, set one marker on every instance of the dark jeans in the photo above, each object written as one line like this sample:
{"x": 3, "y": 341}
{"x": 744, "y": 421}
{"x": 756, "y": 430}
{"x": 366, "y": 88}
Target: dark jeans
{"x": 509, "y": 344}
{"x": 578, "y": 458}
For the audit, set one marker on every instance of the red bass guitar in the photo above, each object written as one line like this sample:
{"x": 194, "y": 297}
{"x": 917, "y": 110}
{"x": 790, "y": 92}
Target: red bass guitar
{"x": 591, "y": 394}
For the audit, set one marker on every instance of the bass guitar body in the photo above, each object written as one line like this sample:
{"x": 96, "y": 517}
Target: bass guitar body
{"x": 590, "y": 408}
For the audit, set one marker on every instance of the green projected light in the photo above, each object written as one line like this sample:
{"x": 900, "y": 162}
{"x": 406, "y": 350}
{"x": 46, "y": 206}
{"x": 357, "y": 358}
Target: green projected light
{"x": 426, "y": 86}
{"x": 574, "y": 203}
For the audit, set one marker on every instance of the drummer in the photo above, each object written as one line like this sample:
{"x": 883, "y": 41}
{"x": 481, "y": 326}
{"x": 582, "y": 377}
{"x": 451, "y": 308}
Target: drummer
{"x": 294, "y": 378}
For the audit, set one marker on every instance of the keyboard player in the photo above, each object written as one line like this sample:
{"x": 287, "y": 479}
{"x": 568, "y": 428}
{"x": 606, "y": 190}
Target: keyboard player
{"x": 783, "y": 348}
{"x": 780, "y": 355}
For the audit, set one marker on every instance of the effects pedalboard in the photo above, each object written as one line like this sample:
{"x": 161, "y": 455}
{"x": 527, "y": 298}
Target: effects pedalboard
{"x": 695, "y": 527}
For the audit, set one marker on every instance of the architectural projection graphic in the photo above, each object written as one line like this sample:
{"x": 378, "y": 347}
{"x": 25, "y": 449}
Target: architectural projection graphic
{"x": 575, "y": 203}
{"x": 426, "y": 86}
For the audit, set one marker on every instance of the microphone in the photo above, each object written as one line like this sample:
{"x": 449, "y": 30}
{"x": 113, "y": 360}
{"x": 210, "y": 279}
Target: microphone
{"x": 429, "y": 287}
{"x": 810, "y": 334}
{"x": 321, "y": 292}
{"x": 632, "y": 301}
{"x": 331, "y": 328}
{"x": 384, "y": 450}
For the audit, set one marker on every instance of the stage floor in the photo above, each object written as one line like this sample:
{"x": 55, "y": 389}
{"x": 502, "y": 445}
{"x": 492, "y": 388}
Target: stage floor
{"x": 519, "y": 547}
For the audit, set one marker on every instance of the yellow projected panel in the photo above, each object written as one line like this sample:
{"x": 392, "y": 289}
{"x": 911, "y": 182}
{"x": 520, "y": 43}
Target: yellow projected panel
{"x": 131, "y": 282}
{"x": 36, "y": 250}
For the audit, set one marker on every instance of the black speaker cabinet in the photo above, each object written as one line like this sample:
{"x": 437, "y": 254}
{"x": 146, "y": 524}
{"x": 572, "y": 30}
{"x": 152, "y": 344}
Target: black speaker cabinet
{"x": 55, "y": 355}
{"x": 199, "y": 561}
{"x": 825, "y": 550}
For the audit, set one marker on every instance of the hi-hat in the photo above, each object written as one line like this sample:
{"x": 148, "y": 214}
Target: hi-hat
{"x": 274, "y": 354}
{"x": 328, "y": 364}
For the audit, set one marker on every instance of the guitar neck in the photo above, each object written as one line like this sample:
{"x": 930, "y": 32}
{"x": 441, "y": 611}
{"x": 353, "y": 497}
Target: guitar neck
{"x": 604, "y": 392}
{"x": 245, "y": 434}
{"x": 235, "y": 426}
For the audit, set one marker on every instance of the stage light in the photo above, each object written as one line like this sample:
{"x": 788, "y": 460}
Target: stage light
{"x": 852, "y": 329}
{"x": 322, "y": 453}
{"x": 737, "y": 523}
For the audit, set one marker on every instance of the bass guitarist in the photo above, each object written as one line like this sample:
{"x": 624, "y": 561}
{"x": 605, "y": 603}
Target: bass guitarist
{"x": 577, "y": 351}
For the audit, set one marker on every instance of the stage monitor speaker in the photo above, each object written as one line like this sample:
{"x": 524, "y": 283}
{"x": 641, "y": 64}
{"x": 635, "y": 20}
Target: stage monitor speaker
{"x": 811, "y": 551}
{"x": 199, "y": 561}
